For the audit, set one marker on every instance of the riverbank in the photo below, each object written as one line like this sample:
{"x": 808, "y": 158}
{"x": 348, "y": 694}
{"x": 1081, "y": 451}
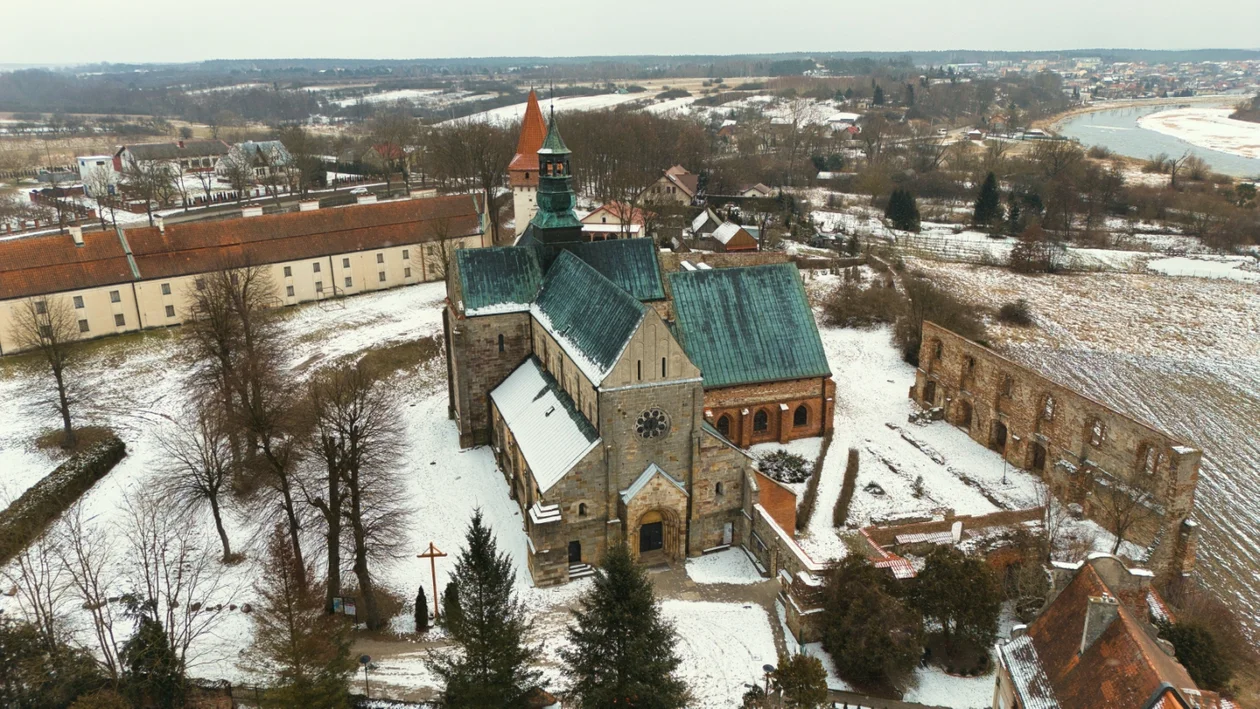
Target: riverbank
{"x": 1055, "y": 122}
{"x": 1210, "y": 128}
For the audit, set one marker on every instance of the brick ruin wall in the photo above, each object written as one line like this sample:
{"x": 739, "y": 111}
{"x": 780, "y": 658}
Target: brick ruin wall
{"x": 1078, "y": 445}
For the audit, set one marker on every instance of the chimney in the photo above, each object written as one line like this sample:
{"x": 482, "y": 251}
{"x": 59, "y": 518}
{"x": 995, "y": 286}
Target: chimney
{"x": 1102, "y": 610}
{"x": 247, "y": 212}
{"x": 1018, "y": 630}
{"x": 161, "y": 224}
{"x": 76, "y": 233}
{"x": 309, "y": 205}
{"x": 367, "y": 199}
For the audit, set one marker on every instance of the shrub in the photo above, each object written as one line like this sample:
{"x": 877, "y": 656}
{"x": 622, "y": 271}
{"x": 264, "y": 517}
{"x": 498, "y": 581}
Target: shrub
{"x": 1199, "y": 652}
{"x": 784, "y": 466}
{"x": 810, "y": 499}
{"x": 1017, "y": 313}
{"x": 927, "y": 301}
{"x": 840, "y": 512}
{"x": 960, "y": 594}
{"x": 870, "y": 634}
{"x": 30, "y": 514}
{"x": 853, "y": 306}
{"x": 1099, "y": 152}
{"x": 673, "y": 93}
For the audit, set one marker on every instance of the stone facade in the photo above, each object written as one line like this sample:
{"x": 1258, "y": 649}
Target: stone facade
{"x": 1079, "y": 445}
{"x": 481, "y": 353}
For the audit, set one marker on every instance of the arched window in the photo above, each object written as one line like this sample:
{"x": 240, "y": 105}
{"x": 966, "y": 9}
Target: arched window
{"x": 639, "y": 370}
{"x": 662, "y": 367}
{"x": 719, "y": 489}
{"x": 1150, "y": 458}
{"x": 1047, "y": 408}
{"x": 1097, "y": 432}
{"x": 800, "y": 417}
{"x": 581, "y": 509}
{"x": 500, "y": 343}
{"x": 1008, "y": 386}
{"x": 938, "y": 349}
{"x": 724, "y": 425}
{"x": 761, "y": 422}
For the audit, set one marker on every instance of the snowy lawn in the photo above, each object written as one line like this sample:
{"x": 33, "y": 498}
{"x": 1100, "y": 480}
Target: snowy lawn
{"x": 731, "y": 566}
{"x": 723, "y": 647}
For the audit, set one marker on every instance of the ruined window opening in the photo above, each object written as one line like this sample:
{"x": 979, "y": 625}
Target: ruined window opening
{"x": 800, "y": 417}
{"x": 761, "y": 422}
{"x": 1047, "y": 409}
{"x": 1008, "y": 386}
{"x": 1150, "y": 458}
{"x": 719, "y": 489}
{"x": 938, "y": 349}
{"x": 581, "y": 509}
{"x": 1097, "y": 432}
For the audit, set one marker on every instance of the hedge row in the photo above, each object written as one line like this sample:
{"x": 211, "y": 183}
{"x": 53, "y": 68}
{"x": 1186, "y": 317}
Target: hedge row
{"x": 31, "y": 513}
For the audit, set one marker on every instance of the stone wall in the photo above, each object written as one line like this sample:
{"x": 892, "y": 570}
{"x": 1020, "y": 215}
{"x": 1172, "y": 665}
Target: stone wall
{"x": 1082, "y": 447}
{"x": 483, "y": 352}
{"x": 779, "y": 400}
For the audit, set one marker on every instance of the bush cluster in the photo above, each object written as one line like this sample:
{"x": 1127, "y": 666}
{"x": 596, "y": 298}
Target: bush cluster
{"x": 30, "y": 514}
{"x": 784, "y": 466}
{"x": 1017, "y": 313}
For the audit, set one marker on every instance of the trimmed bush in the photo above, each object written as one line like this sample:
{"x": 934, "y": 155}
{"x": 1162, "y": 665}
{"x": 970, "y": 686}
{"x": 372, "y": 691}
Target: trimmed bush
{"x": 810, "y": 500}
{"x": 840, "y": 513}
{"x": 30, "y": 514}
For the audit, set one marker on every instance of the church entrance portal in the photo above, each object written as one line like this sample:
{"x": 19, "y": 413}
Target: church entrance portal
{"x": 651, "y": 537}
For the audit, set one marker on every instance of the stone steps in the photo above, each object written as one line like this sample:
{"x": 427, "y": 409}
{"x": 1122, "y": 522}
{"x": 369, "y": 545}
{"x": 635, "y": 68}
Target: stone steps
{"x": 577, "y": 571}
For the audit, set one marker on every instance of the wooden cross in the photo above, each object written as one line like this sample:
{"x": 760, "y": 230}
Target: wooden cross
{"x": 432, "y": 554}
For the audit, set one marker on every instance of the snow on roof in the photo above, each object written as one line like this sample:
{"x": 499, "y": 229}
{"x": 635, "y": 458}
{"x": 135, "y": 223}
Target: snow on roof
{"x": 926, "y": 538}
{"x": 726, "y": 232}
{"x": 1031, "y": 684}
{"x": 648, "y": 473}
{"x": 612, "y": 228}
{"x": 844, "y": 117}
{"x": 551, "y": 433}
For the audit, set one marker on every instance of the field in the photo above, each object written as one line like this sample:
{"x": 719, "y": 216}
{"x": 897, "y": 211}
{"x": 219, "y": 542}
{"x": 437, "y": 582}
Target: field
{"x": 1179, "y": 353}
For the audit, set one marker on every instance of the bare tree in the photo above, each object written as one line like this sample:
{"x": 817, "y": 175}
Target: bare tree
{"x": 42, "y": 587}
{"x": 357, "y": 433}
{"x": 201, "y": 466}
{"x": 1174, "y": 167}
{"x": 172, "y": 571}
{"x": 392, "y": 132}
{"x": 238, "y": 167}
{"x": 100, "y": 182}
{"x": 476, "y": 153}
{"x": 1124, "y": 502}
{"x": 50, "y": 327}
{"x": 149, "y": 180}
{"x": 89, "y": 560}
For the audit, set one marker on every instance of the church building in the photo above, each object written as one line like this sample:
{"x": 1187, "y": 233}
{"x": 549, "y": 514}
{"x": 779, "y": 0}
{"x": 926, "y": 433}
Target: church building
{"x": 592, "y": 386}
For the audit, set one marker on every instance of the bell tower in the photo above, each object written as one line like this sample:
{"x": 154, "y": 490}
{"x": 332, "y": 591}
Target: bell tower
{"x": 555, "y": 222}
{"x": 523, "y": 170}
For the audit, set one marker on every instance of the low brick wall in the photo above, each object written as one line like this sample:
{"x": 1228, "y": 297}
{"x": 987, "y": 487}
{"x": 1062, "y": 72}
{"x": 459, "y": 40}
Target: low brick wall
{"x": 887, "y": 536}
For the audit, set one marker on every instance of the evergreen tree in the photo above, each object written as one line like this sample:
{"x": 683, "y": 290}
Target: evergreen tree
{"x": 870, "y": 634}
{"x": 878, "y": 100}
{"x": 491, "y": 668}
{"x": 1014, "y": 219}
{"x": 1208, "y": 664}
{"x": 450, "y": 604}
{"x": 422, "y": 611}
{"x": 621, "y": 650}
{"x": 961, "y": 594}
{"x": 152, "y": 671}
{"x": 38, "y": 673}
{"x": 989, "y": 203}
{"x": 803, "y": 681}
{"x": 302, "y": 652}
{"x": 909, "y": 94}
{"x": 902, "y": 211}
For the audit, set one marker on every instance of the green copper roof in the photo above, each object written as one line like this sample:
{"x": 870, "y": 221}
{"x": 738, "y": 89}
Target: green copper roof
{"x": 553, "y": 144}
{"x": 746, "y": 325}
{"x": 498, "y": 278}
{"x": 630, "y": 263}
{"x": 587, "y": 313}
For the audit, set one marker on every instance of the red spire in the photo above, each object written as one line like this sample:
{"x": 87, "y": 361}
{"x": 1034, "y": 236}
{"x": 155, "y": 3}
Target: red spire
{"x": 533, "y": 130}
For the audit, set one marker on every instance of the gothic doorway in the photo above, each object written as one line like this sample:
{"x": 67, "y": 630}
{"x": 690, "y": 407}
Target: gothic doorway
{"x": 1038, "y": 457}
{"x": 575, "y": 552}
{"x": 999, "y": 437}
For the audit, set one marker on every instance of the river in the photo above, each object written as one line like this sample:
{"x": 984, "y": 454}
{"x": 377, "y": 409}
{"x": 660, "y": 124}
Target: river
{"x": 1118, "y": 130}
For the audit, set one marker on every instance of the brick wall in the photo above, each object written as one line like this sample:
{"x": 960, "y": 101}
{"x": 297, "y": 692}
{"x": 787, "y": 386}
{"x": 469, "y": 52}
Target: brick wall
{"x": 779, "y": 400}
{"x": 1078, "y": 444}
{"x": 779, "y": 501}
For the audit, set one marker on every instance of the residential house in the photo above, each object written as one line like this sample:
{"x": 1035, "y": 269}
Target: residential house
{"x": 1094, "y": 647}
{"x": 183, "y": 155}
{"x": 615, "y": 220}
{"x": 677, "y": 186}
{"x": 97, "y": 171}
{"x": 757, "y": 190}
{"x": 729, "y": 237}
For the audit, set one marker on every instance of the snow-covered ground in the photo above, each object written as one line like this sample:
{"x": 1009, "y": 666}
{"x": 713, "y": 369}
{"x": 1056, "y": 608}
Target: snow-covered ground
{"x": 1210, "y": 128}
{"x": 515, "y": 112}
{"x": 723, "y": 647}
{"x": 731, "y": 566}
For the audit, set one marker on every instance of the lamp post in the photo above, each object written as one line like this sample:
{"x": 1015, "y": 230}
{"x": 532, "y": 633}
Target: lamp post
{"x": 364, "y": 660}
{"x": 767, "y": 669}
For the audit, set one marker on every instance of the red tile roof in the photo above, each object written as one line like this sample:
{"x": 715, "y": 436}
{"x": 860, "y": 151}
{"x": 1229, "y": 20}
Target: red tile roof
{"x": 1122, "y": 668}
{"x": 533, "y": 132}
{"x": 52, "y": 263}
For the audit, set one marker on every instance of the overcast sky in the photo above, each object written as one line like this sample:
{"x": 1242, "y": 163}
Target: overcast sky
{"x": 82, "y": 31}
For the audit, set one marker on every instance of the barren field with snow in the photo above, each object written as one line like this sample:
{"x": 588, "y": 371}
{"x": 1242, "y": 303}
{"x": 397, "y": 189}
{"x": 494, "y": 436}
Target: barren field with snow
{"x": 1210, "y": 128}
{"x": 1179, "y": 353}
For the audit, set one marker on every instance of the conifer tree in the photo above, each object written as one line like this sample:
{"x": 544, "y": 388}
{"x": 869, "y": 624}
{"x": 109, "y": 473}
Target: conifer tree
{"x": 621, "y": 650}
{"x": 870, "y": 634}
{"x": 989, "y": 203}
{"x": 422, "y": 611}
{"x": 961, "y": 594}
{"x": 802, "y": 679}
{"x": 902, "y": 211}
{"x": 302, "y": 653}
{"x": 878, "y": 100}
{"x": 491, "y": 668}
{"x": 152, "y": 671}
